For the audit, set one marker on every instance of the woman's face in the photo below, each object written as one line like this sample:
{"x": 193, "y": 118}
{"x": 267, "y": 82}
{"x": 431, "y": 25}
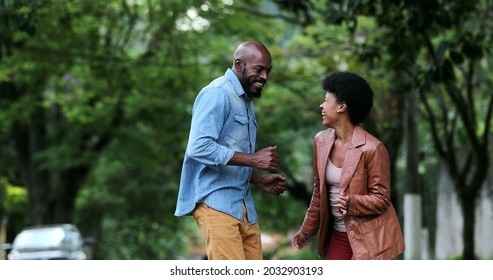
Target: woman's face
{"x": 329, "y": 109}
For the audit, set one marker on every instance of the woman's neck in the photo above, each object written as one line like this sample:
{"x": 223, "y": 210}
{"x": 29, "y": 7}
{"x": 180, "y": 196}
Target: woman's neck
{"x": 344, "y": 134}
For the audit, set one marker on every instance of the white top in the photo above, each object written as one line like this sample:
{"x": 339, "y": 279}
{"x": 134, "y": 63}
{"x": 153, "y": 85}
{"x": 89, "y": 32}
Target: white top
{"x": 333, "y": 179}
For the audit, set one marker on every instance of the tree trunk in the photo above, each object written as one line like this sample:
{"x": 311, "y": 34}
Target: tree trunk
{"x": 36, "y": 178}
{"x": 412, "y": 201}
{"x": 468, "y": 211}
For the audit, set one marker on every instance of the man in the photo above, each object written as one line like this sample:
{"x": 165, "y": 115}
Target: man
{"x": 220, "y": 159}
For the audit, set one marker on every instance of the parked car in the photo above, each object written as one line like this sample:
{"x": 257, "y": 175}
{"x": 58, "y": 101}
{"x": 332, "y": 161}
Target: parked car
{"x": 49, "y": 242}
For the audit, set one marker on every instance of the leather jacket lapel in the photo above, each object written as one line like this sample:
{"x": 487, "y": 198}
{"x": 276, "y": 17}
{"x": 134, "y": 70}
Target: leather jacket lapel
{"x": 323, "y": 154}
{"x": 352, "y": 158}
{"x": 350, "y": 163}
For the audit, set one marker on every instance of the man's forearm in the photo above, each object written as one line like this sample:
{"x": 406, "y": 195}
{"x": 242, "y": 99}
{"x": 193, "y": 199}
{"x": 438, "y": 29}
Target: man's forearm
{"x": 256, "y": 177}
{"x": 240, "y": 159}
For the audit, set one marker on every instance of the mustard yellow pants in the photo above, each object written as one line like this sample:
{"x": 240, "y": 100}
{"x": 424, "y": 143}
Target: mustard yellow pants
{"x": 227, "y": 238}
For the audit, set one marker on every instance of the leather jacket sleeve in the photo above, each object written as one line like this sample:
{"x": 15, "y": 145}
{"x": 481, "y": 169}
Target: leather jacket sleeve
{"x": 311, "y": 223}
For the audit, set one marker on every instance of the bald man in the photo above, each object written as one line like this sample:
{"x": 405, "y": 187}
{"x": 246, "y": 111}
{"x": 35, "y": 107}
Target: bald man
{"x": 221, "y": 161}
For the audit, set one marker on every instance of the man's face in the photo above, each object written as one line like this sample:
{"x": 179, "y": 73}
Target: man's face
{"x": 254, "y": 75}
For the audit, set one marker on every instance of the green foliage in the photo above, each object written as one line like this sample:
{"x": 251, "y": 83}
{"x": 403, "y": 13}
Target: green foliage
{"x": 14, "y": 201}
{"x": 96, "y": 99}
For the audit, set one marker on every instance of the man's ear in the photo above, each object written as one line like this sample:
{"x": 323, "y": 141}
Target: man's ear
{"x": 238, "y": 64}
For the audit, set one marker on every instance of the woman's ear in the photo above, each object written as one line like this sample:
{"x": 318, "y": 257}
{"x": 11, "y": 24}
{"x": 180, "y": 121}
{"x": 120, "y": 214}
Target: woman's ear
{"x": 342, "y": 107}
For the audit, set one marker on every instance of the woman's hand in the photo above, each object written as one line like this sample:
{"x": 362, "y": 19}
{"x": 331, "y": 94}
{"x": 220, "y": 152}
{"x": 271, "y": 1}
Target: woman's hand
{"x": 343, "y": 204}
{"x": 300, "y": 240}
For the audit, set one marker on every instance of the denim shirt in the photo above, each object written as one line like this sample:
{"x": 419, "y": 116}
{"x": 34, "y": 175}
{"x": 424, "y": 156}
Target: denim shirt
{"x": 223, "y": 121}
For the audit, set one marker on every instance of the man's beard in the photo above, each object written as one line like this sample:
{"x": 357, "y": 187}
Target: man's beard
{"x": 246, "y": 84}
{"x": 252, "y": 94}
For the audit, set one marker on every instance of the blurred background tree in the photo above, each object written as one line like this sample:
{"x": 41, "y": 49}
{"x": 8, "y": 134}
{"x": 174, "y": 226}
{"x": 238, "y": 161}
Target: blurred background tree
{"x": 96, "y": 98}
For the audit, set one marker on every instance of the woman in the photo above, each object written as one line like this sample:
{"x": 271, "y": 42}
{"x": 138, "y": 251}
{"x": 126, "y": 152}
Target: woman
{"x": 350, "y": 203}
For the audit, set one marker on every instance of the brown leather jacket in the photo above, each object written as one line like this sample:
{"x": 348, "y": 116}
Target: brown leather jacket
{"x": 372, "y": 225}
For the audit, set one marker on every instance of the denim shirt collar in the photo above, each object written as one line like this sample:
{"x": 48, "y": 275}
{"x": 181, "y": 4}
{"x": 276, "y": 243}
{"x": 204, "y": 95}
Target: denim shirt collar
{"x": 237, "y": 85}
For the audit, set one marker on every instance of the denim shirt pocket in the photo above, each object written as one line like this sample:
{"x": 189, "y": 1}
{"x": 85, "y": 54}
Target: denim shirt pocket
{"x": 237, "y": 136}
{"x": 241, "y": 119}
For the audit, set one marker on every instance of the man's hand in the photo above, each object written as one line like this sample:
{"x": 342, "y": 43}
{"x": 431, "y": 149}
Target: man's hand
{"x": 265, "y": 159}
{"x": 273, "y": 183}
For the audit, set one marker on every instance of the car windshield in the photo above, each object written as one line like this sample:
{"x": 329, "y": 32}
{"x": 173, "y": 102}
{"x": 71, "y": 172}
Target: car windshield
{"x": 39, "y": 238}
